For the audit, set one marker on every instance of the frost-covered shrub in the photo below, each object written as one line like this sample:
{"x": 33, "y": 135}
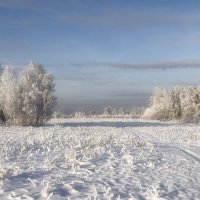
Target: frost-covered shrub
{"x": 122, "y": 112}
{"x": 160, "y": 104}
{"x": 108, "y": 110}
{"x": 190, "y": 99}
{"x": 79, "y": 115}
{"x": 182, "y": 103}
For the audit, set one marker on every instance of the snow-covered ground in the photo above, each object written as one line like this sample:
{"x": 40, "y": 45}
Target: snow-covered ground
{"x": 100, "y": 159}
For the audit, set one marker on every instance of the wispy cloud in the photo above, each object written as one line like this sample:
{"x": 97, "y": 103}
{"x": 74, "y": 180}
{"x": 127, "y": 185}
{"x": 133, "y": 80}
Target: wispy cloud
{"x": 134, "y": 66}
{"x": 159, "y": 65}
{"x": 116, "y": 65}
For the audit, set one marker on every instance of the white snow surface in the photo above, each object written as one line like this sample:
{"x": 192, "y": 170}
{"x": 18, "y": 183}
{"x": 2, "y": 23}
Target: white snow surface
{"x": 100, "y": 159}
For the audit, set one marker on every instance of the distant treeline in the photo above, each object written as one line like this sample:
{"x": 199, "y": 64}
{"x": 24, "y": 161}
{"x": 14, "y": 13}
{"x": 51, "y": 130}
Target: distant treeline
{"x": 108, "y": 112}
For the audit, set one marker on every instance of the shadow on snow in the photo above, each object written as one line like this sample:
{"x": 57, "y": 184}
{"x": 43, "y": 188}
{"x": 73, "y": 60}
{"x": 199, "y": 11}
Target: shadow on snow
{"x": 119, "y": 124}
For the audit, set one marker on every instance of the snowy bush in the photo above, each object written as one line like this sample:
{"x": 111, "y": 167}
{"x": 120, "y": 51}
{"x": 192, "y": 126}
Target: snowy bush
{"x": 109, "y": 110}
{"x": 160, "y": 105}
{"x": 28, "y": 100}
{"x": 180, "y": 103}
{"x": 112, "y": 112}
{"x": 79, "y": 115}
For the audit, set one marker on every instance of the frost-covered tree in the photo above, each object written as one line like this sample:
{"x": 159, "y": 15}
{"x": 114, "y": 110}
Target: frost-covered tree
{"x": 36, "y": 95}
{"x": 190, "y": 103}
{"x": 176, "y": 107}
{"x": 9, "y": 95}
{"x": 182, "y": 103}
{"x": 160, "y": 104}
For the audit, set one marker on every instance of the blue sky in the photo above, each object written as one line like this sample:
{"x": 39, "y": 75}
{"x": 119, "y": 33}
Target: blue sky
{"x": 104, "y": 52}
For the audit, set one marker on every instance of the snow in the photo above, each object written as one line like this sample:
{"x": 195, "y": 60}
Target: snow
{"x": 100, "y": 159}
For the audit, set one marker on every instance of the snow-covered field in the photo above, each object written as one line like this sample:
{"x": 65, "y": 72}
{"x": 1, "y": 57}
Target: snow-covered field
{"x": 100, "y": 159}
